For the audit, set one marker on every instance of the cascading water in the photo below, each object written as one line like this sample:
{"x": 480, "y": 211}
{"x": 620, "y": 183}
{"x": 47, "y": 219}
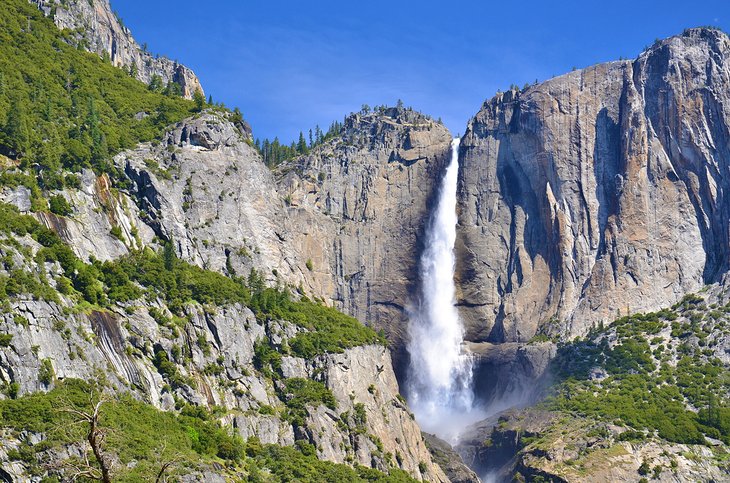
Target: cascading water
{"x": 440, "y": 373}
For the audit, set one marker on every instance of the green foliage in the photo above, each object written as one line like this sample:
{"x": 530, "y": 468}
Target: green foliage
{"x": 141, "y": 434}
{"x": 59, "y": 205}
{"x": 169, "y": 370}
{"x": 640, "y": 391}
{"x": 15, "y": 179}
{"x": 298, "y": 393}
{"x": 178, "y": 282}
{"x": 199, "y": 101}
{"x": 116, "y": 232}
{"x": 46, "y": 374}
{"x": 63, "y": 107}
{"x": 539, "y": 338}
{"x": 288, "y": 464}
{"x": 267, "y": 359}
{"x": 5, "y": 340}
{"x": 138, "y": 431}
{"x": 275, "y": 153}
{"x": 630, "y": 357}
{"x": 327, "y": 330}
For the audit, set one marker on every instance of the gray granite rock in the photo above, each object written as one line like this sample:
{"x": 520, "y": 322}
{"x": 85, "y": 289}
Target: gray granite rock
{"x": 596, "y": 193}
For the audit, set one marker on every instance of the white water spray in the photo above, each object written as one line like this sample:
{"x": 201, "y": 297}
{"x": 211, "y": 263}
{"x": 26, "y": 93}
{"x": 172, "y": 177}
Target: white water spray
{"x": 440, "y": 373}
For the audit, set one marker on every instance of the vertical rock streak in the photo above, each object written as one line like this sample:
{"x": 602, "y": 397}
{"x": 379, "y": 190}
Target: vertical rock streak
{"x": 440, "y": 374}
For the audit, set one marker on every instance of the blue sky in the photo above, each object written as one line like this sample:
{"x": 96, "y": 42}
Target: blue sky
{"x": 289, "y": 65}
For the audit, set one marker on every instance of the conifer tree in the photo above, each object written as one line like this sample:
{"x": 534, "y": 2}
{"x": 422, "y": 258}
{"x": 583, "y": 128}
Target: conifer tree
{"x": 301, "y": 146}
{"x": 199, "y": 100}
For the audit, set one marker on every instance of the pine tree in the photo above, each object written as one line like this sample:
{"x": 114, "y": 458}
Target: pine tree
{"x": 199, "y": 100}
{"x": 318, "y": 134}
{"x": 237, "y": 116}
{"x": 99, "y": 148}
{"x": 155, "y": 83}
{"x": 168, "y": 256}
{"x": 301, "y": 146}
{"x": 17, "y": 129}
{"x": 49, "y": 157}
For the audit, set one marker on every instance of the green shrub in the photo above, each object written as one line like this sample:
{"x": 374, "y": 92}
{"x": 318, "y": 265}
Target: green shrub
{"x": 289, "y": 464}
{"x": 5, "y": 340}
{"x": 169, "y": 370}
{"x": 46, "y": 374}
{"x": 327, "y": 330}
{"x": 635, "y": 393}
{"x": 266, "y": 409}
{"x": 116, "y": 232}
{"x": 143, "y": 435}
{"x": 266, "y": 359}
{"x": 299, "y": 393}
{"x": 138, "y": 433}
{"x": 59, "y": 206}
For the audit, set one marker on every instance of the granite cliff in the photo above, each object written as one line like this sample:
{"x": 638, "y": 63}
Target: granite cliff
{"x": 342, "y": 222}
{"x": 357, "y": 208}
{"x": 200, "y": 193}
{"x": 596, "y": 194}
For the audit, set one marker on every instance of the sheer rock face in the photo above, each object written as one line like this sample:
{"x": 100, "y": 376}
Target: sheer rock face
{"x": 205, "y": 188}
{"x": 599, "y": 192}
{"x": 357, "y": 208}
{"x": 103, "y": 33}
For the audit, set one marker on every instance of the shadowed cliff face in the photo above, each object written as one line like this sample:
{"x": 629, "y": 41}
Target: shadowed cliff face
{"x": 599, "y": 192}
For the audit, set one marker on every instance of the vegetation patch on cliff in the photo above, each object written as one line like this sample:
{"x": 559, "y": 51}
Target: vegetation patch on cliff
{"x": 139, "y": 443}
{"x": 61, "y": 107}
{"x": 657, "y": 372}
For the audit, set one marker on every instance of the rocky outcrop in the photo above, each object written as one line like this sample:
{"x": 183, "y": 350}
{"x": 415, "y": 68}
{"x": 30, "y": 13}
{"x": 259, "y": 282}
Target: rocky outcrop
{"x": 596, "y": 193}
{"x": 357, "y": 207}
{"x": 445, "y": 456}
{"x": 104, "y": 223}
{"x": 205, "y": 187}
{"x": 214, "y": 353}
{"x": 596, "y": 441}
{"x": 506, "y": 374}
{"x": 524, "y": 445}
{"x": 99, "y": 29}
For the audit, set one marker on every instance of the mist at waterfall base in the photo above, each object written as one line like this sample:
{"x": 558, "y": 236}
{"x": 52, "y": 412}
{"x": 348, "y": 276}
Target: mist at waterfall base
{"x": 439, "y": 384}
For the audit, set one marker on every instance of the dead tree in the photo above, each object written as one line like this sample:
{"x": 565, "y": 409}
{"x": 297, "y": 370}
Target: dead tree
{"x": 95, "y": 436}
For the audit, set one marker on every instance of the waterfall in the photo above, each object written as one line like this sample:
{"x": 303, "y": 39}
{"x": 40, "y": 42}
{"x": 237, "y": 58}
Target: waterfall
{"x": 440, "y": 374}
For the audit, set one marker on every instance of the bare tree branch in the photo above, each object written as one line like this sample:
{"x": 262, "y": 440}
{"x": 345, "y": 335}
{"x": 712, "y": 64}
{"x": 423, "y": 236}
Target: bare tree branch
{"x": 95, "y": 436}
